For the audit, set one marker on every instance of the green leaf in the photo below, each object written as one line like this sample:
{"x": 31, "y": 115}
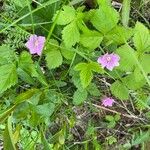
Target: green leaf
{"x": 145, "y": 62}
{"x": 21, "y": 4}
{"x": 141, "y": 38}
{"x": 126, "y": 12}
{"x": 8, "y": 136}
{"x": 8, "y": 77}
{"x": 86, "y": 70}
{"x": 26, "y": 63}
{"x": 6, "y": 55}
{"x": 66, "y": 15}
{"x": 71, "y": 35}
{"x": 93, "y": 90}
{"x": 127, "y": 58}
{"x": 119, "y": 90}
{"x": 79, "y": 97}
{"x": 54, "y": 59}
{"x": 142, "y": 137}
{"x": 131, "y": 82}
{"x": 91, "y": 39}
{"x": 105, "y": 19}
{"x": 46, "y": 109}
{"x": 119, "y": 34}
{"x": 68, "y": 53}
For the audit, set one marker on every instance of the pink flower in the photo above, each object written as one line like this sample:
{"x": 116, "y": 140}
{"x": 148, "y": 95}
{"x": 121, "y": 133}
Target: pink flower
{"x": 35, "y": 44}
{"x": 108, "y": 102}
{"x": 109, "y": 61}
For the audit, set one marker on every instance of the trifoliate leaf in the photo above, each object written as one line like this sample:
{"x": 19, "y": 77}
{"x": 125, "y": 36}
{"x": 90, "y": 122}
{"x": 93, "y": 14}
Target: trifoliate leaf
{"x": 127, "y": 58}
{"x": 79, "y": 97}
{"x": 71, "y": 35}
{"x": 8, "y": 77}
{"x": 119, "y": 90}
{"x": 93, "y": 90}
{"x": 86, "y": 72}
{"x": 66, "y": 15}
{"x": 54, "y": 59}
{"x": 105, "y": 19}
{"x": 141, "y": 38}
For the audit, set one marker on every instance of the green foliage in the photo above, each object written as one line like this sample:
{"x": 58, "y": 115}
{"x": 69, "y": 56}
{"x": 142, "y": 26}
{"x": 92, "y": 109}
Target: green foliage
{"x": 79, "y": 97}
{"x": 119, "y": 90}
{"x": 86, "y": 72}
{"x": 8, "y": 136}
{"x": 74, "y": 37}
{"x": 127, "y": 58}
{"x": 8, "y": 77}
{"x": 141, "y": 38}
{"x": 105, "y": 18}
{"x": 53, "y": 97}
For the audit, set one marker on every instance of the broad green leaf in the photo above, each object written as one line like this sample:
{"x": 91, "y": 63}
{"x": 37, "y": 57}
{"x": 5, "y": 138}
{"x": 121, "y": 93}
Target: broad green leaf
{"x": 141, "y": 38}
{"x": 79, "y": 97}
{"x": 66, "y": 15}
{"x": 119, "y": 34}
{"x": 46, "y": 109}
{"x": 119, "y": 90}
{"x": 6, "y": 55}
{"x": 94, "y": 66}
{"x": 91, "y": 39}
{"x": 145, "y": 62}
{"x": 131, "y": 82}
{"x": 54, "y": 59}
{"x": 8, "y": 77}
{"x": 86, "y": 70}
{"x": 93, "y": 90}
{"x": 105, "y": 19}
{"x": 126, "y": 12}
{"x": 68, "y": 53}
{"x": 127, "y": 58}
{"x": 71, "y": 35}
{"x": 26, "y": 63}
{"x": 21, "y": 3}
{"x": 8, "y": 136}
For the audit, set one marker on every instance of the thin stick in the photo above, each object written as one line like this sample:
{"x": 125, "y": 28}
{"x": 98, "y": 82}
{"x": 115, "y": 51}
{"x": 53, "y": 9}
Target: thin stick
{"x": 113, "y": 111}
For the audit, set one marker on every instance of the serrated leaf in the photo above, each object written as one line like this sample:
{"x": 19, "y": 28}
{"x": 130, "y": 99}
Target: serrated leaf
{"x": 8, "y": 77}
{"x": 68, "y": 53}
{"x": 66, "y": 15}
{"x": 119, "y": 90}
{"x": 119, "y": 34}
{"x": 131, "y": 83}
{"x": 94, "y": 66}
{"x": 6, "y": 55}
{"x": 8, "y": 136}
{"x": 54, "y": 59}
{"x": 86, "y": 70}
{"x": 141, "y": 38}
{"x": 71, "y": 35}
{"x": 145, "y": 62}
{"x": 93, "y": 90}
{"x": 91, "y": 39}
{"x": 127, "y": 58}
{"x": 105, "y": 18}
{"x": 79, "y": 97}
